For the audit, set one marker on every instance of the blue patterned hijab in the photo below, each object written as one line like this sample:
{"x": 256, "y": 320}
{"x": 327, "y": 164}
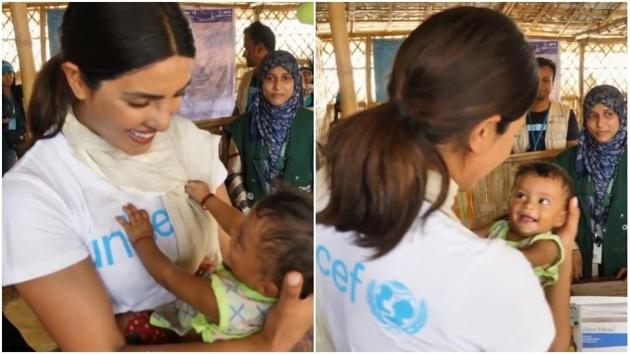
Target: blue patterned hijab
{"x": 272, "y": 123}
{"x": 596, "y": 159}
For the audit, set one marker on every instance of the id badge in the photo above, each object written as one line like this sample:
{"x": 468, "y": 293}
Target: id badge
{"x": 12, "y": 123}
{"x": 597, "y": 254}
{"x": 598, "y": 242}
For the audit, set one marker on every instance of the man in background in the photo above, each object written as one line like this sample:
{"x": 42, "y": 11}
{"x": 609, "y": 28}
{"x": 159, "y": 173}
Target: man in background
{"x": 258, "y": 41}
{"x": 549, "y": 125}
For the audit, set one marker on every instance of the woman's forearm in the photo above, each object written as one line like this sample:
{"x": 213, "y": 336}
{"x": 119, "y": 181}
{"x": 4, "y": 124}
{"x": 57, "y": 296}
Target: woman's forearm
{"x": 558, "y": 297}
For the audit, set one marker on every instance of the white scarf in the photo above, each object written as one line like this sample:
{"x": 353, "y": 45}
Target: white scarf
{"x": 162, "y": 171}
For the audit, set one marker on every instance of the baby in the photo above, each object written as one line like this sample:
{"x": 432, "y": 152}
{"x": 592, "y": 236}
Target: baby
{"x": 274, "y": 238}
{"x": 539, "y": 203}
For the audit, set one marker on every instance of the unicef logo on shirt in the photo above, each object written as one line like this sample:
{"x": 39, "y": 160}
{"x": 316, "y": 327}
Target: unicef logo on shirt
{"x": 395, "y": 306}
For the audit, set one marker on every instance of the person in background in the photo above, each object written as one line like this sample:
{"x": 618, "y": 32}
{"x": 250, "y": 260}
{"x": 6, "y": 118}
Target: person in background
{"x": 598, "y": 166}
{"x": 274, "y": 140}
{"x": 258, "y": 41}
{"x": 307, "y": 73}
{"x": 13, "y": 118}
{"x": 549, "y": 125}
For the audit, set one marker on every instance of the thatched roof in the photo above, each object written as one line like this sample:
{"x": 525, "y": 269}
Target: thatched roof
{"x": 568, "y": 21}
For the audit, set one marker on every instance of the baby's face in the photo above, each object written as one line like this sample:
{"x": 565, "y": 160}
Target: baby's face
{"x": 538, "y": 204}
{"x": 245, "y": 259}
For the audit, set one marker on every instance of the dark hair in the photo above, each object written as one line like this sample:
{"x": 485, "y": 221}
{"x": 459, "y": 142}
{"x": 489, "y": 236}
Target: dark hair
{"x": 287, "y": 237}
{"x": 455, "y": 70}
{"x": 542, "y": 62}
{"x": 260, "y": 33}
{"x": 547, "y": 170}
{"x": 106, "y": 41}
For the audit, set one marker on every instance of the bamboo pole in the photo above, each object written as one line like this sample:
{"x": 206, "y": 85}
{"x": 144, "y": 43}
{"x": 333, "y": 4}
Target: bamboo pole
{"x": 24, "y": 48}
{"x": 43, "y": 19}
{"x": 368, "y": 71}
{"x": 337, "y": 20}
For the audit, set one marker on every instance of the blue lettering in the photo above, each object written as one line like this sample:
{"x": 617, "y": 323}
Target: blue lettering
{"x": 108, "y": 249}
{"x": 322, "y": 250}
{"x": 355, "y": 279}
{"x": 339, "y": 273}
{"x": 97, "y": 254}
{"x": 162, "y": 227}
{"x": 161, "y": 223}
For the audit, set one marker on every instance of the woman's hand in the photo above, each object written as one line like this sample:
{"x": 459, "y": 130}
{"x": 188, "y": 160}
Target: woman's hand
{"x": 197, "y": 190}
{"x": 138, "y": 225}
{"x": 576, "y": 265}
{"x": 291, "y": 317}
{"x": 568, "y": 231}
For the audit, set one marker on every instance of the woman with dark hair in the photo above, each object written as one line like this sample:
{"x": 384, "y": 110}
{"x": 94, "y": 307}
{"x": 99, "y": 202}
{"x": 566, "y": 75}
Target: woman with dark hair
{"x": 397, "y": 269}
{"x": 598, "y": 166}
{"x": 275, "y": 140}
{"x": 13, "y": 118}
{"x": 104, "y": 135}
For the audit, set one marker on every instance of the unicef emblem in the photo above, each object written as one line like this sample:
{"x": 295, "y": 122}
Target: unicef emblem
{"x": 396, "y": 307}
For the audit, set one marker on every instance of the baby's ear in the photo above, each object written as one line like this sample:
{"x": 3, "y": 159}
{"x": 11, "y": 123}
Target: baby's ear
{"x": 561, "y": 218}
{"x": 268, "y": 288}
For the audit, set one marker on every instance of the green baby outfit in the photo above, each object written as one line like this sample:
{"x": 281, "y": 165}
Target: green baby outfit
{"x": 241, "y": 311}
{"x": 548, "y": 275}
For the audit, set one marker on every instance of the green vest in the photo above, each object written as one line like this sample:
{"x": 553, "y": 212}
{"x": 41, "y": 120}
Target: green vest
{"x": 614, "y": 248}
{"x": 298, "y": 169}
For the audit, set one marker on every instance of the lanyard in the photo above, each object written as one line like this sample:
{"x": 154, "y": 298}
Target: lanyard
{"x": 540, "y": 133}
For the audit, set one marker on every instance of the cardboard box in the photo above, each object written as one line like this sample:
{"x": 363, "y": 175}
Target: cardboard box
{"x": 600, "y": 323}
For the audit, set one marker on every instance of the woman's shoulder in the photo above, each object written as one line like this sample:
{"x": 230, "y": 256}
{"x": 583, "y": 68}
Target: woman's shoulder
{"x": 566, "y": 159}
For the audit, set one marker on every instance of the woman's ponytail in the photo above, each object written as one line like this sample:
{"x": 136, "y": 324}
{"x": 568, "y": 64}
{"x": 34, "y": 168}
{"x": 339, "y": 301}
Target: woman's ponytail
{"x": 49, "y": 102}
{"x": 377, "y": 163}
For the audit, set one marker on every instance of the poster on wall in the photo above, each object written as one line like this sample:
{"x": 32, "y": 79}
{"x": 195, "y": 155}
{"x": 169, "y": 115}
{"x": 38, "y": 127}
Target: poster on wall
{"x": 384, "y": 54}
{"x": 54, "y": 18}
{"x": 211, "y": 90}
{"x": 549, "y": 49}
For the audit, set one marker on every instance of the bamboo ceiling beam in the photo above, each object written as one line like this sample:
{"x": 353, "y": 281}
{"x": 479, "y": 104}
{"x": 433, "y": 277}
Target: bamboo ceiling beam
{"x": 600, "y": 29}
{"x": 542, "y": 11}
{"x": 389, "y": 21}
{"x": 571, "y": 17}
{"x": 610, "y": 15}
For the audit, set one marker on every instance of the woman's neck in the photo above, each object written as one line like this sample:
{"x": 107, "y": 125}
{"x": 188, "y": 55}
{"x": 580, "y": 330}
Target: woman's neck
{"x": 455, "y": 164}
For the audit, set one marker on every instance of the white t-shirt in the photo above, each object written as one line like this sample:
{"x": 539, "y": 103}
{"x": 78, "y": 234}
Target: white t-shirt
{"x": 57, "y": 211}
{"x": 440, "y": 289}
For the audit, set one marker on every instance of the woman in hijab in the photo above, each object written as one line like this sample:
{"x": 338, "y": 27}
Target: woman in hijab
{"x": 13, "y": 118}
{"x": 598, "y": 166}
{"x": 275, "y": 140}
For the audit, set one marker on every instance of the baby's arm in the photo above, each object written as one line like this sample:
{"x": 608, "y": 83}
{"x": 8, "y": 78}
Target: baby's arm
{"x": 541, "y": 253}
{"x": 228, "y": 217}
{"x": 194, "y": 290}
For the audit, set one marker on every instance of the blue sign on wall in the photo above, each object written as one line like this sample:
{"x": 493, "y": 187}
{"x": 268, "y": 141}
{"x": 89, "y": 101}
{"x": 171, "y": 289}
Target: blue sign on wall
{"x": 384, "y": 54}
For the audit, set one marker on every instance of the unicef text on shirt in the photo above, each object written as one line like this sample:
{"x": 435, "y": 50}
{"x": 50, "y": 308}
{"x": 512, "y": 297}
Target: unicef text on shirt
{"x": 162, "y": 227}
{"x": 391, "y": 302}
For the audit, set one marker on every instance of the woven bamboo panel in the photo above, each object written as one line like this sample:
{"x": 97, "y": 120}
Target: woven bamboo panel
{"x": 9, "y": 48}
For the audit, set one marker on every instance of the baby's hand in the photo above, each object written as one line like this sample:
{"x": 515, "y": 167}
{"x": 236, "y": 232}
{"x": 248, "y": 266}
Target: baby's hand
{"x": 197, "y": 190}
{"x": 138, "y": 227}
